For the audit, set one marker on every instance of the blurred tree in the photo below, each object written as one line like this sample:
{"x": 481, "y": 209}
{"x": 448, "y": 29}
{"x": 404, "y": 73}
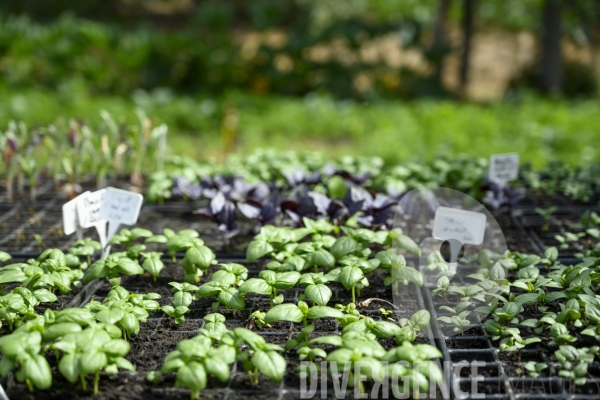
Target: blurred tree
{"x": 467, "y": 27}
{"x": 440, "y": 37}
{"x": 551, "y": 67}
{"x": 587, "y": 18}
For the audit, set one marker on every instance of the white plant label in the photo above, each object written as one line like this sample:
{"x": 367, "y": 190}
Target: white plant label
{"x": 70, "y": 222}
{"x": 88, "y": 208}
{"x": 468, "y": 227}
{"x": 88, "y": 212}
{"x": 504, "y": 168}
{"x": 120, "y": 207}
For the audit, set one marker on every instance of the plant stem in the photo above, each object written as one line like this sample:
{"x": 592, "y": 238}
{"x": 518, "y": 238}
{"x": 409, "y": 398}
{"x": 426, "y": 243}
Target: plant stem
{"x": 96, "y": 380}
{"x": 29, "y": 385}
{"x": 316, "y": 269}
{"x": 83, "y": 384}
{"x": 353, "y": 296}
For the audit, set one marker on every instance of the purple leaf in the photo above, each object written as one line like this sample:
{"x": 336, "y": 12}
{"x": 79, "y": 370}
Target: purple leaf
{"x": 217, "y": 203}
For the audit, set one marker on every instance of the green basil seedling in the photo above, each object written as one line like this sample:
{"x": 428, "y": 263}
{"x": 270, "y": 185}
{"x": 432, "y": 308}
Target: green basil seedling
{"x": 193, "y": 361}
{"x": 258, "y": 356}
{"x": 124, "y": 309}
{"x": 24, "y": 349}
{"x": 113, "y": 267}
{"x": 85, "y": 248}
{"x": 126, "y": 237}
{"x": 175, "y": 242}
{"x": 315, "y": 288}
{"x": 230, "y": 274}
{"x": 229, "y": 297}
{"x": 196, "y": 261}
{"x": 50, "y": 270}
{"x": 214, "y": 327}
{"x": 88, "y": 352}
{"x": 153, "y": 264}
{"x": 269, "y": 282}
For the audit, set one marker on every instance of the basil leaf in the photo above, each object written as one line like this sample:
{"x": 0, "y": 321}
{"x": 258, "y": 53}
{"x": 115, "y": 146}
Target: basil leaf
{"x": 200, "y": 256}
{"x": 225, "y": 278}
{"x": 286, "y": 280}
{"x": 270, "y": 363}
{"x": 384, "y": 329}
{"x": 191, "y": 376}
{"x": 324, "y": 312}
{"x": 217, "y": 367}
{"x": 342, "y": 246}
{"x": 322, "y": 258}
{"x": 284, "y": 312}
{"x": 92, "y": 361}
{"x": 37, "y": 370}
{"x": 230, "y": 297}
{"x": 182, "y": 299}
{"x": 421, "y": 319}
{"x": 209, "y": 289}
{"x": 69, "y": 367}
{"x": 319, "y": 294}
{"x": 350, "y": 276}
{"x": 255, "y": 285}
{"x": 257, "y": 249}
{"x": 406, "y": 243}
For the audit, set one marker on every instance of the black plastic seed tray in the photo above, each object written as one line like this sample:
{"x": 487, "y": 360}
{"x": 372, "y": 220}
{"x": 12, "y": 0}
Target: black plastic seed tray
{"x": 160, "y": 335}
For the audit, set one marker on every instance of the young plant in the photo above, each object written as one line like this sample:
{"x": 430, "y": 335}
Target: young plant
{"x": 417, "y": 322}
{"x": 398, "y": 271}
{"x": 89, "y": 352}
{"x": 124, "y": 309}
{"x": 567, "y": 238}
{"x": 214, "y": 327}
{"x": 258, "y": 318}
{"x": 152, "y": 264}
{"x": 181, "y": 300}
{"x": 546, "y": 214}
{"x": 300, "y": 313}
{"x": 49, "y": 270}
{"x": 268, "y": 283}
{"x": 315, "y": 288}
{"x": 17, "y": 306}
{"x": 113, "y": 267}
{"x": 534, "y": 369}
{"x": 231, "y": 274}
{"x": 85, "y": 248}
{"x": 25, "y": 350}
{"x": 228, "y": 296}
{"x": 256, "y": 354}
{"x": 126, "y": 237}
{"x": 195, "y": 359}
{"x": 574, "y": 362}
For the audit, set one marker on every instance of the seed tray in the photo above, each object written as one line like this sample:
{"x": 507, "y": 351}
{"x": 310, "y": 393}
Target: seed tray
{"x": 501, "y": 374}
{"x": 160, "y": 335}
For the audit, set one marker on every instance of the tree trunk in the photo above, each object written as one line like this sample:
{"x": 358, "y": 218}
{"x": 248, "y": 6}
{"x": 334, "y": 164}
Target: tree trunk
{"x": 440, "y": 35}
{"x": 551, "y": 61}
{"x": 467, "y": 26}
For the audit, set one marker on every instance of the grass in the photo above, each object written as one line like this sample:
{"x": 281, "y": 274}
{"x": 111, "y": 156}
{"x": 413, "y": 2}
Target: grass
{"x": 541, "y": 130}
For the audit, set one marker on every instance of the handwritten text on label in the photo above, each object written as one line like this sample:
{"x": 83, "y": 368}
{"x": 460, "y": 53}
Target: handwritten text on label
{"x": 504, "y": 167}
{"x": 467, "y": 227}
{"x": 121, "y": 206}
{"x": 88, "y": 208}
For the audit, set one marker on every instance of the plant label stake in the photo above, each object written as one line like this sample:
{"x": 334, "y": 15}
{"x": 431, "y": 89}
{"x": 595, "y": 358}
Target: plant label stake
{"x": 458, "y": 227}
{"x": 70, "y": 219}
{"x": 119, "y": 207}
{"x": 504, "y": 168}
{"x": 88, "y": 212}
